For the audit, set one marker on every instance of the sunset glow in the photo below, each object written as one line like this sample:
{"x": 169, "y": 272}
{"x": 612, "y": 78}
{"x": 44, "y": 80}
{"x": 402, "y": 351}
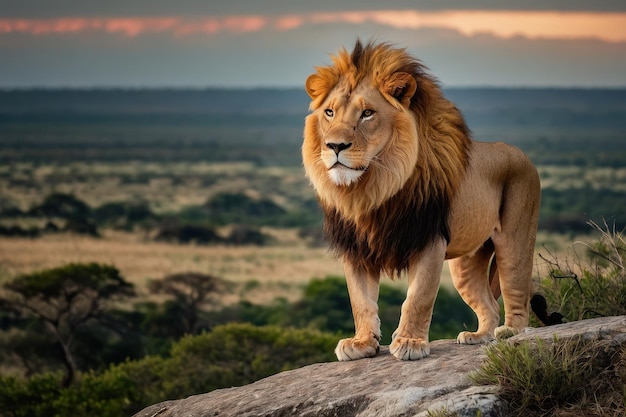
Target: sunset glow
{"x": 609, "y": 27}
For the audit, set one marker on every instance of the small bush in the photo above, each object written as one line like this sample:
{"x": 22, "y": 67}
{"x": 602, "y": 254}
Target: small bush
{"x": 187, "y": 233}
{"x": 29, "y": 398}
{"x": 592, "y": 284}
{"x": 122, "y": 215}
{"x": 247, "y": 235}
{"x": 537, "y": 378}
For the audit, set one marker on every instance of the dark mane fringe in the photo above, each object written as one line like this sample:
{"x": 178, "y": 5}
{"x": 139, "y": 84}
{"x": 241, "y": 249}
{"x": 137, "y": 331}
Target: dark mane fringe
{"x": 390, "y": 236}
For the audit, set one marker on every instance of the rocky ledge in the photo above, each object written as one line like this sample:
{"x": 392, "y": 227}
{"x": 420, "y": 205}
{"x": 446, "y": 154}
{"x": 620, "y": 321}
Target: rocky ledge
{"x": 380, "y": 386}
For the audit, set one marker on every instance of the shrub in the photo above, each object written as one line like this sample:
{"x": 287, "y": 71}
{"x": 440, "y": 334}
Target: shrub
{"x": 230, "y": 355}
{"x": 172, "y": 231}
{"x": 537, "y": 378}
{"x": 62, "y": 205}
{"x": 236, "y": 354}
{"x": 122, "y": 215}
{"x": 238, "y": 208}
{"x": 589, "y": 286}
{"x": 247, "y": 235}
{"x": 33, "y": 397}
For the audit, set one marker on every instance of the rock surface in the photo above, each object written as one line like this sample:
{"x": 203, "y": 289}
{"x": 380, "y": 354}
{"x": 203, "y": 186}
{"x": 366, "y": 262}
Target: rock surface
{"x": 380, "y": 386}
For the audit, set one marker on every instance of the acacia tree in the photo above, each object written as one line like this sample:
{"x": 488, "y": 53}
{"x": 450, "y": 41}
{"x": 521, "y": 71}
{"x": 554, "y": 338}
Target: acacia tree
{"x": 65, "y": 299}
{"x": 191, "y": 292}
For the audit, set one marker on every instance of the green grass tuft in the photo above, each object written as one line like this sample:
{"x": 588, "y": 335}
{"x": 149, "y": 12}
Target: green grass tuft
{"x": 539, "y": 378}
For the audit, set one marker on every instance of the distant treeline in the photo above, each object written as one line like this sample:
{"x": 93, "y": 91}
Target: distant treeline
{"x": 555, "y": 126}
{"x": 60, "y": 212}
{"x": 565, "y": 211}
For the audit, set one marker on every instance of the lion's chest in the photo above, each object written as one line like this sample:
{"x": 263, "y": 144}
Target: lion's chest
{"x": 389, "y": 237}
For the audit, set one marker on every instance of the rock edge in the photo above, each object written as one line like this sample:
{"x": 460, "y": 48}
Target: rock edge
{"x": 379, "y": 386}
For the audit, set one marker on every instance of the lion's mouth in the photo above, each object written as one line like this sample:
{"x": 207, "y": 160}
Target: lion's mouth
{"x": 344, "y": 175}
{"x": 340, "y": 165}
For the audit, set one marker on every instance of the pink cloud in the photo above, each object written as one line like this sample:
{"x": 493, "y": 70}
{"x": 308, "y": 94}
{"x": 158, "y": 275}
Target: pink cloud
{"x": 243, "y": 24}
{"x": 609, "y": 27}
{"x": 289, "y": 22}
{"x": 132, "y": 27}
{"x": 125, "y": 26}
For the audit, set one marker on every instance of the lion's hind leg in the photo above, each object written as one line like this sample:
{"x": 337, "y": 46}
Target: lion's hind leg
{"x": 470, "y": 278}
{"x": 514, "y": 243}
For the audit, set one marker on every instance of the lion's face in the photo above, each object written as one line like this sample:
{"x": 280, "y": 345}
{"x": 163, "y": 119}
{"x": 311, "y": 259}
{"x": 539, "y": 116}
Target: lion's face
{"x": 354, "y": 128}
{"x": 360, "y": 136}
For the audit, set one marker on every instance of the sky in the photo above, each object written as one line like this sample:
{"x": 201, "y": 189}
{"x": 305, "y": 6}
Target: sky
{"x": 277, "y": 43}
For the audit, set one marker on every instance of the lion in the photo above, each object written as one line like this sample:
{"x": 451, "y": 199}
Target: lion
{"x": 403, "y": 187}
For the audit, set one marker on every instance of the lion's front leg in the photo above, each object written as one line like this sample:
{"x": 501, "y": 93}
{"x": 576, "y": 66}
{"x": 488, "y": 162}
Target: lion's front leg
{"x": 363, "y": 290}
{"x": 410, "y": 340}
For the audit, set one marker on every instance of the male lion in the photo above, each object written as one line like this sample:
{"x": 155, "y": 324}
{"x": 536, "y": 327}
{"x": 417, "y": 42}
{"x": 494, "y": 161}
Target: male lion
{"x": 403, "y": 187}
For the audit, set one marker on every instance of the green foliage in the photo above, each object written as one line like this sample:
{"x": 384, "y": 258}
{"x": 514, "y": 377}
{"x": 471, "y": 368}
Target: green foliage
{"x": 123, "y": 215}
{"x": 247, "y": 235}
{"x": 537, "y": 378}
{"x": 171, "y": 230}
{"x": 77, "y": 214}
{"x": 568, "y": 210}
{"x": 56, "y": 282}
{"x": 33, "y": 397}
{"x": 589, "y": 285}
{"x": 62, "y": 205}
{"x": 236, "y": 354}
{"x": 325, "y": 306}
{"x": 230, "y": 355}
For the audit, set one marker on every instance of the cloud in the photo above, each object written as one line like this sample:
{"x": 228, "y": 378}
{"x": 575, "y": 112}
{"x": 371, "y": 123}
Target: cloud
{"x": 132, "y": 27}
{"x": 266, "y": 48}
{"x": 609, "y": 27}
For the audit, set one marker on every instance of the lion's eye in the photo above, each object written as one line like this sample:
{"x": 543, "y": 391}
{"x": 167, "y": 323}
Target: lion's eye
{"x": 329, "y": 112}
{"x": 367, "y": 113}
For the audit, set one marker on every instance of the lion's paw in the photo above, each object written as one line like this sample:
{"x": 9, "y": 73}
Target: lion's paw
{"x": 504, "y": 332}
{"x": 473, "y": 338}
{"x": 352, "y": 348}
{"x": 408, "y": 349}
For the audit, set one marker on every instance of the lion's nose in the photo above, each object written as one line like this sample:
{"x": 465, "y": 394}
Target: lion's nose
{"x": 338, "y": 147}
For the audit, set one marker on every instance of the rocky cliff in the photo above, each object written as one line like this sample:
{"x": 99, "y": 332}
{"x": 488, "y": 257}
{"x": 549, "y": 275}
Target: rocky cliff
{"x": 380, "y": 386}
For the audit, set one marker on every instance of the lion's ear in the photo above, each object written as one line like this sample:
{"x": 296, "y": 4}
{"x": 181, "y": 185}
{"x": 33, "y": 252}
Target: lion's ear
{"x": 400, "y": 86}
{"x": 315, "y": 86}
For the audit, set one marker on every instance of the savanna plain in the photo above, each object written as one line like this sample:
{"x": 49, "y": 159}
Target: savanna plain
{"x": 165, "y": 183}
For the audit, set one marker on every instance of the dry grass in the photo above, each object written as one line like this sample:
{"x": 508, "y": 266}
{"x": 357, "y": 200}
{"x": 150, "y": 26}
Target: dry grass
{"x": 140, "y": 260}
{"x": 271, "y": 271}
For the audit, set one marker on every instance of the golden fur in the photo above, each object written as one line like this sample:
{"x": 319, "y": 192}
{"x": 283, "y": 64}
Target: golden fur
{"x": 403, "y": 187}
{"x": 394, "y": 186}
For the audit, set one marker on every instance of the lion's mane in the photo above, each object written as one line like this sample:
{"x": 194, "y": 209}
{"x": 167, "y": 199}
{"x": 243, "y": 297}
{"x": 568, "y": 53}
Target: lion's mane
{"x": 378, "y": 231}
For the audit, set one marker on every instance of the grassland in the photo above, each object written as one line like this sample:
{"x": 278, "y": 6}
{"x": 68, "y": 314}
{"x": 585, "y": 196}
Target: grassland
{"x": 283, "y": 269}
{"x": 174, "y": 150}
